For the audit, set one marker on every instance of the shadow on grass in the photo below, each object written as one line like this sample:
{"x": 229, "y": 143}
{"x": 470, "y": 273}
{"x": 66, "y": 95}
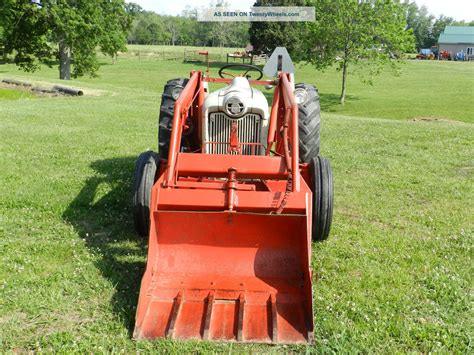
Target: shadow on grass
{"x": 106, "y": 226}
{"x": 106, "y": 62}
{"x": 331, "y": 102}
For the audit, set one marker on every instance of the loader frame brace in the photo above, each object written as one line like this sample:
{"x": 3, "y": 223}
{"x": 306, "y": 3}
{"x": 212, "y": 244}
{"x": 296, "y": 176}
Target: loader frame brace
{"x": 283, "y": 125}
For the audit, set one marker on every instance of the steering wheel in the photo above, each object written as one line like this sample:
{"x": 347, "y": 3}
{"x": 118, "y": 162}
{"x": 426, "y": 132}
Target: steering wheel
{"x": 244, "y": 74}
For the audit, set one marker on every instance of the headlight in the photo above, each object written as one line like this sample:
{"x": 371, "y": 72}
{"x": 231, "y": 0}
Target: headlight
{"x": 176, "y": 92}
{"x": 234, "y": 106}
{"x": 301, "y": 95}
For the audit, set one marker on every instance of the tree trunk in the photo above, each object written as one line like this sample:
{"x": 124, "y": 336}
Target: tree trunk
{"x": 64, "y": 61}
{"x": 344, "y": 80}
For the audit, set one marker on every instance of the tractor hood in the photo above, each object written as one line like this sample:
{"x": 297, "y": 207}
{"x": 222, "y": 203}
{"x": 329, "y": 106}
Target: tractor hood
{"x": 237, "y": 100}
{"x": 239, "y": 85}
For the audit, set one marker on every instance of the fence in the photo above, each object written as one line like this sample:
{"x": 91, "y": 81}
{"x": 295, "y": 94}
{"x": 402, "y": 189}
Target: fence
{"x": 184, "y": 54}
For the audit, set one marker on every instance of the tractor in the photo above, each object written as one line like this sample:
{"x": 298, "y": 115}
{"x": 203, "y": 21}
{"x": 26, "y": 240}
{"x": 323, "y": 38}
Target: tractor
{"x": 231, "y": 204}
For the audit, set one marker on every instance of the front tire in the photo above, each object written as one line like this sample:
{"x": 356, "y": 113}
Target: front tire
{"x": 309, "y": 119}
{"x": 165, "y": 122}
{"x": 323, "y": 197}
{"x": 146, "y": 169}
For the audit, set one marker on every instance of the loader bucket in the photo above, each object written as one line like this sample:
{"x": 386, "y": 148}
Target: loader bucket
{"x": 227, "y": 276}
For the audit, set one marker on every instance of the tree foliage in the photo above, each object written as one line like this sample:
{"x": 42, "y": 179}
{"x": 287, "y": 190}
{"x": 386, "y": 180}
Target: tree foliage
{"x": 151, "y": 28}
{"x": 420, "y": 22}
{"x": 265, "y": 36}
{"x": 369, "y": 33}
{"x": 426, "y": 27}
{"x": 32, "y": 32}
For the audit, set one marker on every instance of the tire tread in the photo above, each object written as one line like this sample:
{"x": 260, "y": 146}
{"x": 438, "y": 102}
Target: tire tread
{"x": 309, "y": 118}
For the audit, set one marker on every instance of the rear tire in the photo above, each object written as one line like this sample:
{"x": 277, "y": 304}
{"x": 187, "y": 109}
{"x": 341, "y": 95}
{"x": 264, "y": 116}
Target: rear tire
{"x": 323, "y": 197}
{"x": 146, "y": 168}
{"x": 309, "y": 117}
{"x": 165, "y": 122}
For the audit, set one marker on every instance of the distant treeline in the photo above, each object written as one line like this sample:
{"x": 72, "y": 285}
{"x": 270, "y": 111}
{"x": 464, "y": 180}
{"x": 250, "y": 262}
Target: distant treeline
{"x": 150, "y": 28}
{"x": 426, "y": 27}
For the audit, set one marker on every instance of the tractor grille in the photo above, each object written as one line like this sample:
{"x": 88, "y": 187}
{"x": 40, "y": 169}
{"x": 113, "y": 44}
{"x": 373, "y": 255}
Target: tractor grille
{"x": 248, "y": 128}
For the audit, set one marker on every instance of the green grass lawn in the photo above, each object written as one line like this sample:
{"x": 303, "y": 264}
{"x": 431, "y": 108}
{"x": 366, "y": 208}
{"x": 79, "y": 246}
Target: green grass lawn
{"x": 13, "y": 94}
{"x": 395, "y": 275}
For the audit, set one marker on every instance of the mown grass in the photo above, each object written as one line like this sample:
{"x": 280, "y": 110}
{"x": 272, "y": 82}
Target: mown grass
{"x": 395, "y": 275}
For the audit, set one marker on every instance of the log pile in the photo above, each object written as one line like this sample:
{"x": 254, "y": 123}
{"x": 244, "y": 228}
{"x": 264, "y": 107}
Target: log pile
{"x": 56, "y": 89}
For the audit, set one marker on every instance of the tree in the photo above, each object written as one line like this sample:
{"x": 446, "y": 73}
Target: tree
{"x": 2, "y": 53}
{"x": 369, "y": 33}
{"x": 133, "y": 9}
{"x": 420, "y": 22}
{"x": 265, "y": 36}
{"x": 463, "y": 23}
{"x": 438, "y": 27}
{"x": 63, "y": 29}
{"x": 426, "y": 28}
{"x": 151, "y": 28}
{"x": 172, "y": 27}
{"x": 116, "y": 24}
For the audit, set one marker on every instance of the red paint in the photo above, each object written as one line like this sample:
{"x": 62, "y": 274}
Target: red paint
{"x": 234, "y": 144}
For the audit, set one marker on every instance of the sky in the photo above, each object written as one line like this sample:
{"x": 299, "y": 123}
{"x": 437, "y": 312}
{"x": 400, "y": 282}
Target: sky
{"x": 458, "y": 9}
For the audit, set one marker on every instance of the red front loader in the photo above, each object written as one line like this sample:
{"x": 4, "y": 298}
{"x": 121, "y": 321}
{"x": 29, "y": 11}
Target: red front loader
{"x": 231, "y": 204}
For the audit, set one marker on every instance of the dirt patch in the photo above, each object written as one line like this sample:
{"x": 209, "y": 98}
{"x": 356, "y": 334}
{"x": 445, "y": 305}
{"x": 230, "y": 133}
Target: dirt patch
{"x": 46, "y": 89}
{"x": 434, "y": 119}
{"x": 14, "y": 316}
{"x": 349, "y": 213}
{"x": 467, "y": 171}
{"x": 36, "y": 90}
{"x": 356, "y": 274}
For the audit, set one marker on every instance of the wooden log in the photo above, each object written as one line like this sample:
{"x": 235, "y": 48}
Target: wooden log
{"x": 68, "y": 91}
{"x": 16, "y": 82}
